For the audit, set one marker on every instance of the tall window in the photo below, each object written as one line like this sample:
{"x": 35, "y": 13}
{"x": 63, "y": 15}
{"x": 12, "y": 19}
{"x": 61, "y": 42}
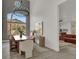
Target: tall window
{"x": 16, "y": 23}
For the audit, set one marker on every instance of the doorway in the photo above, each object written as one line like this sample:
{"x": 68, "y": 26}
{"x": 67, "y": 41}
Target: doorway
{"x": 66, "y": 12}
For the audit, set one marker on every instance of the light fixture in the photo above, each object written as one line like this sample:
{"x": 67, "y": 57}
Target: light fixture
{"x": 19, "y": 6}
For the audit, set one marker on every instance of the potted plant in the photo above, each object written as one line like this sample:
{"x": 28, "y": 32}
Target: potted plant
{"x": 20, "y": 30}
{"x": 34, "y": 31}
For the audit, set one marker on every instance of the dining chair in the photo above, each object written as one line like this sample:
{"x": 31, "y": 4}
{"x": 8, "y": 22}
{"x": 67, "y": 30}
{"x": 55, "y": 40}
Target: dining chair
{"x": 27, "y": 47}
{"x": 13, "y": 44}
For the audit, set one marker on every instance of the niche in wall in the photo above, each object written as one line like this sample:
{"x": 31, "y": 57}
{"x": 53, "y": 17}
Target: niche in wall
{"x": 39, "y": 27}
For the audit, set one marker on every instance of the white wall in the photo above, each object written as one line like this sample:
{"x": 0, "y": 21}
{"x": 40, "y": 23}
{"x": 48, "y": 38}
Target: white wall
{"x": 46, "y": 11}
{"x": 6, "y": 50}
{"x": 67, "y": 13}
{"x": 73, "y": 27}
{"x": 33, "y": 21}
{"x": 66, "y": 25}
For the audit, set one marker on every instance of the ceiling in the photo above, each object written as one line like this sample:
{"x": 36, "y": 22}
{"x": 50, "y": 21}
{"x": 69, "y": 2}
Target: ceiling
{"x": 43, "y": 7}
{"x": 67, "y": 10}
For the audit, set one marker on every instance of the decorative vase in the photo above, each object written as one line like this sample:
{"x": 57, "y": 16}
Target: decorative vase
{"x": 21, "y": 35}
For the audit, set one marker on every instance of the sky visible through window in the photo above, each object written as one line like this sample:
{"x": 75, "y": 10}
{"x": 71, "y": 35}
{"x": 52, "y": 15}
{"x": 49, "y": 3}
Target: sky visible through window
{"x": 17, "y": 16}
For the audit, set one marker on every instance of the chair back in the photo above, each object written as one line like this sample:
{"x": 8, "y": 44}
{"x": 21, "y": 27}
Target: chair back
{"x": 27, "y": 44}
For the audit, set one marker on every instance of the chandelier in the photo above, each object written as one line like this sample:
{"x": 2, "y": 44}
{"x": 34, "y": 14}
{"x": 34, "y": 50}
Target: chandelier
{"x": 19, "y": 6}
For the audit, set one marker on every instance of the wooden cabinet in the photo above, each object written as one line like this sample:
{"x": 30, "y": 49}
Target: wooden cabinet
{"x": 13, "y": 44}
{"x": 42, "y": 41}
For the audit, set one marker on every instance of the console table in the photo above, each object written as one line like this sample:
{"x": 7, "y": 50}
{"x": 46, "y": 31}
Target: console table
{"x": 42, "y": 41}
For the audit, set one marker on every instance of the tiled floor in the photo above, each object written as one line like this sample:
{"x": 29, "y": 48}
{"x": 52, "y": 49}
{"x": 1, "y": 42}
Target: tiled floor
{"x": 68, "y": 52}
